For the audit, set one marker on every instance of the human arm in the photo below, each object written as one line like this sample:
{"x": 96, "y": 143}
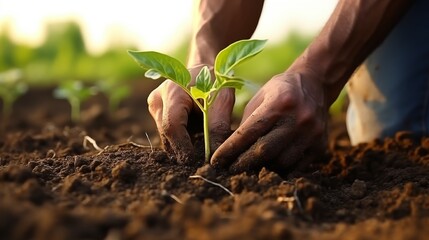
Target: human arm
{"x": 220, "y": 23}
{"x": 217, "y": 24}
{"x": 353, "y": 31}
{"x": 287, "y": 118}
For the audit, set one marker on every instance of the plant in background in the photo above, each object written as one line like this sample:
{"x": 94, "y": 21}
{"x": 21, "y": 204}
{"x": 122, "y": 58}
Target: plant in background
{"x": 115, "y": 91}
{"x": 75, "y": 93}
{"x": 205, "y": 90}
{"x": 11, "y": 87}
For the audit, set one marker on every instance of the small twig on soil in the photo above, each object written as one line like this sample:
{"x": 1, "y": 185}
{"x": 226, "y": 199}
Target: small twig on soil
{"x": 150, "y": 143}
{"x": 87, "y": 139}
{"x": 139, "y": 145}
{"x": 104, "y": 149}
{"x": 211, "y": 182}
{"x": 174, "y": 197}
{"x": 51, "y": 153}
{"x": 291, "y": 200}
{"x": 295, "y": 195}
{"x": 288, "y": 200}
{"x": 129, "y": 142}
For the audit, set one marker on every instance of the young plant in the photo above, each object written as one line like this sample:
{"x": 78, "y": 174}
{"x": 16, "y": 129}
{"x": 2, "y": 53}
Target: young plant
{"x": 75, "y": 93}
{"x": 11, "y": 87}
{"x": 115, "y": 91}
{"x": 205, "y": 90}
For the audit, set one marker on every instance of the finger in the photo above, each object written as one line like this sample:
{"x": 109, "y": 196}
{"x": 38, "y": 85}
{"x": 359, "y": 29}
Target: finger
{"x": 155, "y": 105}
{"x": 300, "y": 156}
{"x": 176, "y": 108}
{"x": 267, "y": 148}
{"x": 220, "y": 118}
{"x": 307, "y": 147}
{"x": 317, "y": 152}
{"x": 256, "y": 125}
{"x": 290, "y": 156}
{"x": 251, "y": 106}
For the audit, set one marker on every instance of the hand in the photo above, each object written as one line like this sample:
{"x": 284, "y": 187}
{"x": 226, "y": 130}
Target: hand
{"x": 282, "y": 122}
{"x": 176, "y": 115}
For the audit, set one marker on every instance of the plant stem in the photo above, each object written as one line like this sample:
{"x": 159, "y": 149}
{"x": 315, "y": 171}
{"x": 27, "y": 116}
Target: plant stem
{"x": 206, "y": 131}
{"x": 113, "y": 105}
{"x": 75, "y": 109}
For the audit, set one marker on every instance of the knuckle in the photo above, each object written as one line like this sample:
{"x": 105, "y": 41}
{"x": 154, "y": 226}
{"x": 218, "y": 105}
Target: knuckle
{"x": 153, "y": 101}
{"x": 153, "y": 97}
{"x": 286, "y": 101}
{"x": 261, "y": 149}
{"x": 168, "y": 84}
{"x": 307, "y": 117}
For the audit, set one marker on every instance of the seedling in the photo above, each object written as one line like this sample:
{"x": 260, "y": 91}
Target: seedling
{"x": 115, "y": 92}
{"x": 11, "y": 87}
{"x": 76, "y": 94}
{"x": 205, "y": 90}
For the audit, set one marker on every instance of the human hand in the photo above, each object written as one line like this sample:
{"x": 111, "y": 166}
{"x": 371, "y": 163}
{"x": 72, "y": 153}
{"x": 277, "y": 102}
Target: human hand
{"x": 176, "y": 117}
{"x": 283, "y": 121}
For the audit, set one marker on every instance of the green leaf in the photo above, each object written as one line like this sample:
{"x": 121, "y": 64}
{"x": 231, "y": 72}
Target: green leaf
{"x": 198, "y": 93}
{"x": 235, "y": 54}
{"x": 229, "y": 81}
{"x": 233, "y": 84}
{"x": 160, "y": 64}
{"x": 74, "y": 89}
{"x": 152, "y": 73}
{"x": 203, "y": 80}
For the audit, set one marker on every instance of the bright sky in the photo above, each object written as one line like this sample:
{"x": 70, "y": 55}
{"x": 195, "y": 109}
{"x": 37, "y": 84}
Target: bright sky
{"x": 151, "y": 24}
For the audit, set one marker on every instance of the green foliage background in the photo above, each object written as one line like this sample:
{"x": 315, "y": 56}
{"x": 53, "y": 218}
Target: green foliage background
{"x": 63, "y": 56}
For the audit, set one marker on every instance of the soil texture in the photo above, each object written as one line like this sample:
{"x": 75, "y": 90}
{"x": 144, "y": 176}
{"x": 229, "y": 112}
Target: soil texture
{"x": 55, "y": 186}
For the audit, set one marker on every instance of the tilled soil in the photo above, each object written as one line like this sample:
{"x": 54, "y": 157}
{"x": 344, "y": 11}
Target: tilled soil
{"x": 52, "y": 186}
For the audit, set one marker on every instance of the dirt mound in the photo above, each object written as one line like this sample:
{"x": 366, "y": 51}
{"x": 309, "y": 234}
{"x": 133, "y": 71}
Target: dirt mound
{"x": 52, "y": 187}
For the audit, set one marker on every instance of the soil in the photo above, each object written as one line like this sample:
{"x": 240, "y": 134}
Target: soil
{"x": 52, "y": 186}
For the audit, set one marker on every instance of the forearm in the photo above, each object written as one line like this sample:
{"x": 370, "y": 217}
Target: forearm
{"x": 220, "y": 23}
{"x": 354, "y": 30}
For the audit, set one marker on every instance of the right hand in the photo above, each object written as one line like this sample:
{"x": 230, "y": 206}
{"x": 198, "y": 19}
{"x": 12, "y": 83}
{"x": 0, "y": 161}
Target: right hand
{"x": 177, "y": 117}
{"x": 283, "y": 126}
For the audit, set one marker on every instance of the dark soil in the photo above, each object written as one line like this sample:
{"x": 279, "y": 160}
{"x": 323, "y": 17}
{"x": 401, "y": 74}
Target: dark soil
{"x": 52, "y": 187}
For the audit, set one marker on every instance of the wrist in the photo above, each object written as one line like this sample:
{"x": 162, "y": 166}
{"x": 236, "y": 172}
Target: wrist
{"x": 202, "y": 53}
{"x": 319, "y": 69}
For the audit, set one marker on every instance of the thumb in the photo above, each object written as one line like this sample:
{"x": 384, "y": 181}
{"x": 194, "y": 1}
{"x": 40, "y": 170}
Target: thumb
{"x": 220, "y": 118}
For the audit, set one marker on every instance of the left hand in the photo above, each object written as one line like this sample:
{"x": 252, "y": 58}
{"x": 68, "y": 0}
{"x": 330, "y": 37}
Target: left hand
{"x": 176, "y": 116}
{"x": 282, "y": 122}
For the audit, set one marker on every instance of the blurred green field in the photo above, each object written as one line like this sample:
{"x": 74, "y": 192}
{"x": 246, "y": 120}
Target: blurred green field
{"x": 63, "y": 57}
